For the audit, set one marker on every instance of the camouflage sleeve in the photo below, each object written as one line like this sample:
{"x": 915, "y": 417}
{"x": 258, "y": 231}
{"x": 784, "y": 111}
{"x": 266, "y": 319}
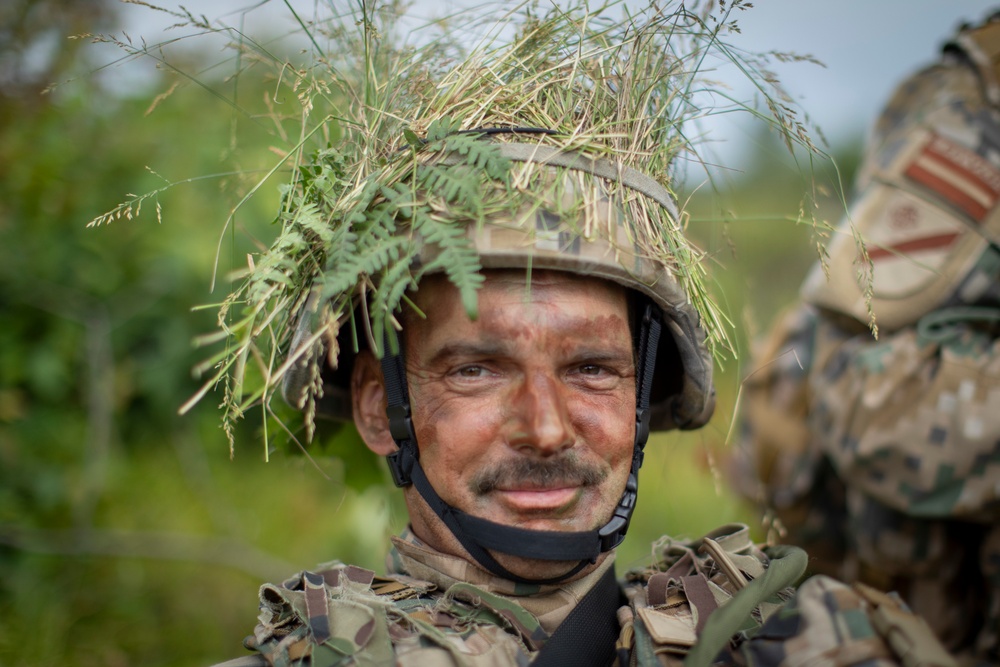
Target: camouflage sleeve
{"x": 910, "y": 422}
{"x": 829, "y": 624}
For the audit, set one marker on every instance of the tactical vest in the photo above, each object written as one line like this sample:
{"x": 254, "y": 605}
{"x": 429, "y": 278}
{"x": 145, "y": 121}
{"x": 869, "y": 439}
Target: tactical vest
{"x": 699, "y": 602}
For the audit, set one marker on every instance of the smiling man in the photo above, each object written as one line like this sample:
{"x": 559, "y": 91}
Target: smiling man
{"x": 498, "y": 292}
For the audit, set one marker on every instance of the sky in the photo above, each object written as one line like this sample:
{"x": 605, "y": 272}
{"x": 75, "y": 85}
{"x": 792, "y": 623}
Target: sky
{"x": 867, "y": 46}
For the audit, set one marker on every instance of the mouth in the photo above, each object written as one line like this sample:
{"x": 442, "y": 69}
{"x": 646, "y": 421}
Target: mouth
{"x": 538, "y": 489}
{"x": 536, "y": 500}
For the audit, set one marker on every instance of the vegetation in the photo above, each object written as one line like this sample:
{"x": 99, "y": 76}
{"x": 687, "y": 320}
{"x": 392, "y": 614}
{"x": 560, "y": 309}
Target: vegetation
{"x": 127, "y": 535}
{"x": 366, "y": 154}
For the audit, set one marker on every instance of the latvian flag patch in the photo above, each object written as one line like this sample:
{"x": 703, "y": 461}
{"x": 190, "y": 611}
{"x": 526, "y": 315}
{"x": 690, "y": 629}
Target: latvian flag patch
{"x": 962, "y": 178}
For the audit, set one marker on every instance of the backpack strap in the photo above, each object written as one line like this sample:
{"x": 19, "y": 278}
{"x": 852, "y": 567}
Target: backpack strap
{"x": 589, "y": 634}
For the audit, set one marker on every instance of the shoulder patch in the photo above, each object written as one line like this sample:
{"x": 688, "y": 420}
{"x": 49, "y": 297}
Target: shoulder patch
{"x": 956, "y": 175}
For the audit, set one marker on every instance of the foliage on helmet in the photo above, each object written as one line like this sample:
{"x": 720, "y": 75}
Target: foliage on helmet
{"x": 378, "y": 114}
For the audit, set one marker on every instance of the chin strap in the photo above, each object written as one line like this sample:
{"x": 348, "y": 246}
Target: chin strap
{"x": 480, "y": 536}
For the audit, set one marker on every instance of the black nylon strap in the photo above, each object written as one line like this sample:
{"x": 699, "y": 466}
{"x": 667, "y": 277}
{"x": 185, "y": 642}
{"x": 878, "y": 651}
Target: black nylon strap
{"x": 649, "y": 341}
{"x": 588, "y": 636}
{"x": 476, "y": 535}
{"x": 572, "y": 546}
{"x": 397, "y": 408}
{"x": 394, "y": 372}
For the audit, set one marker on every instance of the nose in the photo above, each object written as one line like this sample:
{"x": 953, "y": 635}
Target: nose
{"x": 541, "y": 421}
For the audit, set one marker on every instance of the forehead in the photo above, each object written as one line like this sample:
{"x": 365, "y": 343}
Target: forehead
{"x": 549, "y": 299}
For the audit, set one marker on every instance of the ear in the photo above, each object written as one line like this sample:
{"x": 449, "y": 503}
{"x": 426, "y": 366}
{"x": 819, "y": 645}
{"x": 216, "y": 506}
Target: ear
{"x": 368, "y": 403}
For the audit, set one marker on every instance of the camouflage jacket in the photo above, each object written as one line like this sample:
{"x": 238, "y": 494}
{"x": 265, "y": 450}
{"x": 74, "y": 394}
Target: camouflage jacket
{"x": 882, "y": 459}
{"x": 434, "y": 609}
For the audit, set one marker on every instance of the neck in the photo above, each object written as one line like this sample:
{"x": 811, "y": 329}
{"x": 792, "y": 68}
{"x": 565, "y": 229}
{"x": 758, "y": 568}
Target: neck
{"x": 549, "y": 603}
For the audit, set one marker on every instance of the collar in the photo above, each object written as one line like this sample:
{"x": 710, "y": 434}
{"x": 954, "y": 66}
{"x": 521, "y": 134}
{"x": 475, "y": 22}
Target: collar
{"x": 549, "y": 603}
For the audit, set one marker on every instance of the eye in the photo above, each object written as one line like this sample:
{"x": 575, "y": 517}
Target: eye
{"x": 471, "y": 371}
{"x": 597, "y": 375}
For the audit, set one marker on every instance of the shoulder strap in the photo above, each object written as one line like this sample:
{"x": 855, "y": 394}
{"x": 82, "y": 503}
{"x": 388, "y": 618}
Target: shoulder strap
{"x": 588, "y": 636}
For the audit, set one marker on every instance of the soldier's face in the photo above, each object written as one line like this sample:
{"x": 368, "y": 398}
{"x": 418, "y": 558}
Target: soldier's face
{"x": 525, "y": 416}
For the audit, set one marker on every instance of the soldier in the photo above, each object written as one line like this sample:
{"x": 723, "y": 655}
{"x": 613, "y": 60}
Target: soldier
{"x": 880, "y": 456}
{"x": 498, "y": 293}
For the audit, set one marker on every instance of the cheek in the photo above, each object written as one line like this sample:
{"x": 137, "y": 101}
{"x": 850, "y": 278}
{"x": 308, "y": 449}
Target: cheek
{"x": 609, "y": 435}
{"x": 608, "y": 426}
{"x": 453, "y": 433}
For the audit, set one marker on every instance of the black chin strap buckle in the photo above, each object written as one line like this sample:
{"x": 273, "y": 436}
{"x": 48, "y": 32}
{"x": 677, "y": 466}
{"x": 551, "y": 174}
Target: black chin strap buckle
{"x": 641, "y": 427}
{"x": 401, "y": 428}
{"x": 400, "y": 423}
{"x": 401, "y": 464}
{"x": 613, "y": 532}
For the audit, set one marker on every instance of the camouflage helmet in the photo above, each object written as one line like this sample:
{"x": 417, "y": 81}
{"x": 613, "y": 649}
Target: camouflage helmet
{"x": 579, "y": 227}
{"x": 927, "y": 197}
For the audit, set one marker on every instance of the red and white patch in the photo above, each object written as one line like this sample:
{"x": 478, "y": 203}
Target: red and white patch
{"x": 917, "y": 219}
{"x": 907, "y": 238}
{"x": 957, "y": 175}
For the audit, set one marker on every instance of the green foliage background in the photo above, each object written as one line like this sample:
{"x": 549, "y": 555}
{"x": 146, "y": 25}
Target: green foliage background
{"x": 127, "y": 535}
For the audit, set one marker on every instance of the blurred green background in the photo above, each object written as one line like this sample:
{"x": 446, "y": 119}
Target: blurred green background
{"x": 127, "y": 534}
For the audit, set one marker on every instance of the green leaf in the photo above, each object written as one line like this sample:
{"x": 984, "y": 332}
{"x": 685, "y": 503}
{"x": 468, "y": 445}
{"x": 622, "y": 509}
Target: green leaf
{"x": 412, "y": 139}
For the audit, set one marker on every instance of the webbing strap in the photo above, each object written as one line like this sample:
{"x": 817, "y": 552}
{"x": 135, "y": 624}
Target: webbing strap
{"x": 588, "y": 636}
{"x": 786, "y": 566}
{"x": 572, "y": 545}
{"x": 649, "y": 341}
{"x": 401, "y": 461}
{"x": 602, "y": 167}
{"x": 476, "y": 535}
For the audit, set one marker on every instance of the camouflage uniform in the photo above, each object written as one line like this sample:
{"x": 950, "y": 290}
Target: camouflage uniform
{"x": 438, "y": 610}
{"x": 880, "y": 456}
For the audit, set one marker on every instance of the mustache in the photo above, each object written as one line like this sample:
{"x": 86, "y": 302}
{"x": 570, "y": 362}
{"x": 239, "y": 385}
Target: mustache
{"x": 544, "y": 473}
